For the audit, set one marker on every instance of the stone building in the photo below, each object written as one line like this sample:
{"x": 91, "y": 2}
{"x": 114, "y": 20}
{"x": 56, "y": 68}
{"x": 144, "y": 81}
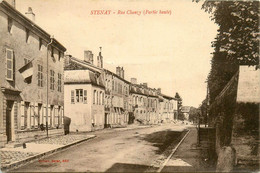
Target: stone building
{"x": 84, "y": 93}
{"x": 116, "y": 98}
{"x": 31, "y": 61}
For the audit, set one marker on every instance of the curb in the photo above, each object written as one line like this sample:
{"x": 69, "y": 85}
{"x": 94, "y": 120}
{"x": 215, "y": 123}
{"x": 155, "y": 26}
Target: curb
{"x": 17, "y": 164}
{"x": 173, "y": 151}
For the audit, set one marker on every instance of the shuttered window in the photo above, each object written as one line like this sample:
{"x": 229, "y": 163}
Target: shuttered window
{"x": 72, "y": 96}
{"x": 9, "y": 64}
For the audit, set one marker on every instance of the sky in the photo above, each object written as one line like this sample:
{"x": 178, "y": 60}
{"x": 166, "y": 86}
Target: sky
{"x": 171, "y": 51}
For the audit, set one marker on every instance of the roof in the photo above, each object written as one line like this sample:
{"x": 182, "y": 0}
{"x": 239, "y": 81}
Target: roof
{"x": 248, "y": 85}
{"x": 30, "y": 24}
{"x": 114, "y": 74}
{"x": 82, "y": 76}
{"x": 76, "y": 64}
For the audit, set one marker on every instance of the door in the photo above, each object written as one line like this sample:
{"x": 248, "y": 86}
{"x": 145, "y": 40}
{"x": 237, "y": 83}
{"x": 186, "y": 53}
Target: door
{"x": 9, "y": 107}
{"x": 106, "y": 120}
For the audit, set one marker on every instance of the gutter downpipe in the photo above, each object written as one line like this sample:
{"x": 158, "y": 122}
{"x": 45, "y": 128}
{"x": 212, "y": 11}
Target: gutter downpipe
{"x": 47, "y": 85}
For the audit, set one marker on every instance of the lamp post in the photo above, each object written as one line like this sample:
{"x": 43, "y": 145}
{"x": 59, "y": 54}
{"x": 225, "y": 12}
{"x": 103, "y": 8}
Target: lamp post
{"x": 47, "y": 86}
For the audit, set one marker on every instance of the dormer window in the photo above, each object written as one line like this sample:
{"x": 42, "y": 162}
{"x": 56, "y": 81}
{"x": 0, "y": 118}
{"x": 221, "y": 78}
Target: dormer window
{"x": 10, "y": 24}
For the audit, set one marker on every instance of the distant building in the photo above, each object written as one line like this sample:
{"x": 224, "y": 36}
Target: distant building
{"x": 84, "y": 94}
{"x": 116, "y": 98}
{"x": 145, "y": 103}
{"x": 186, "y": 112}
{"x": 23, "y": 60}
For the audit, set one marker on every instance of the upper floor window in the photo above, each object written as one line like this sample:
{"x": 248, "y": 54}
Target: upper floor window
{"x": 79, "y": 95}
{"x": 9, "y": 64}
{"x": 52, "y": 80}
{"x": 40, "y": 43}
{"x": 59, "y": 82}
{"x": 52, "y": 52}
{"x": 40, "y": 75}
{"x": 60, "y": 54}
{"x": 9, "y": 24}
{"x": 94, "y": 96}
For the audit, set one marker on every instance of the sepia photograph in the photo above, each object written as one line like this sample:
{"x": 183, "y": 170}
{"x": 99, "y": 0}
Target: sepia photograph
{"x": 129, "y": 86}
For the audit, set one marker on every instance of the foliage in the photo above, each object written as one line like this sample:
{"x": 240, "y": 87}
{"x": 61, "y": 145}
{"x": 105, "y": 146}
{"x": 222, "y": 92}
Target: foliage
{"x": 179, "y": 105}
{"x": 237, "y": 41}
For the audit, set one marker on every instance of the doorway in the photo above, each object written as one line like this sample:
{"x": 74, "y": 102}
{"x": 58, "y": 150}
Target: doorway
{"x": 9, "y": 111}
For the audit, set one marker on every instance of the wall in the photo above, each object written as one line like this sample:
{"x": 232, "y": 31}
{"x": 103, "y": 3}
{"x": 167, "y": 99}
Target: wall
{"x": 80, "y": 113}
{"x": 30, "y": 92}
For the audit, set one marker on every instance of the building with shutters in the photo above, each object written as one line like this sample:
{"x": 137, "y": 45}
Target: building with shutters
{"x": 84, "y": 93}
{"x": 116, "y": 98}
{"x": 24, "y": 48}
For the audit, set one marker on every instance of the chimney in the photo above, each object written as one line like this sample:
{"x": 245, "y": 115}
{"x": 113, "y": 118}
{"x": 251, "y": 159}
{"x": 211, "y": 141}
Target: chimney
{"x": 11, "y": 2}
{"x": 122, "y": 73}
{"x": 118, "y": 71}
{"x": 30, "y": 14}
{"x": 145, "y": 85}
{"x": 133, "y": 80}
{"x": 100, "y": 59}
{"x": 159, "y": 90}
{"x": 88, "y": 56}
{"x": 67, "y": 60}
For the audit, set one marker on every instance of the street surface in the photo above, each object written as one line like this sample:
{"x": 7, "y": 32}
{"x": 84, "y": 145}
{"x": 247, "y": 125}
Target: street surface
{"x": 136, "y": 150}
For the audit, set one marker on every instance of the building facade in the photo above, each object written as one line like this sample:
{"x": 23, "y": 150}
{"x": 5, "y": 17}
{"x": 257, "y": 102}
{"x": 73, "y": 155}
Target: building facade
{"x": 116, "y": 98}
{"x": 84, "y": 94}
{"x": 32, "y": 61}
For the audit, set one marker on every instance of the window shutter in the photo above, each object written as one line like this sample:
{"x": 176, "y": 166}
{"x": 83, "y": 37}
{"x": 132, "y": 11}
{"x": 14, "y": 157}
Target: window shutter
{"x": 72, "y": 96}
{"x": 85, "y": 96}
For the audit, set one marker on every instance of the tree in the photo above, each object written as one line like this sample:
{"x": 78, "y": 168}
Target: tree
{"x": 179, "y": 105}
{"x": 237, "y": 41}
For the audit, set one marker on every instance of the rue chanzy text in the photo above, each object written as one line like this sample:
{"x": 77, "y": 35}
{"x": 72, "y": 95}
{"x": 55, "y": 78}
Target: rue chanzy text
{"x": 130, "y": 12}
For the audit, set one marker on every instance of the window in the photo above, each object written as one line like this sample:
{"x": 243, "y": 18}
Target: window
{"x": 27, "y": 32}
{"x": 52, "y": 51}
{"x": 103, "y": 99}
{"x": 100, "y": 98}
{"x": 32, "y": 116}
{"x": 52, "y": 80}
{"x": 97, "y": 98}
{"x": 9, "y": 64}
{"x": 40, "y": 43}
{"x": 40, "y": 75}
{"x": 94, "y": 97}
{"x": 59, "y": 55}
{"x": 59, "y": 82}
{"x": 79, "y": 95}
{"x": 85, "y": 96}
{"x": 72, "y": 96}
{"x": 10, "y": 24}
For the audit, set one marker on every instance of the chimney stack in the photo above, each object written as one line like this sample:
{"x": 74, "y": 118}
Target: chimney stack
{"x": 159, "y": 90}
{"x": 145, "y": 85}
{"x": 11, "y": 2}
{"x": 88, "y": 56}
{"x": 100, "y": 59}
{"x": 30, "y": 14}
{"x": 133, "y": 80}
{"x": 118, "y": 71}
{"x": 122, "y": 73}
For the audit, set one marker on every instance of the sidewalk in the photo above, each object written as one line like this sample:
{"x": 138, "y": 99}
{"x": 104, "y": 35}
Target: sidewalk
{"x": 12, "y": 157}
{"x": 189, "y": 157}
